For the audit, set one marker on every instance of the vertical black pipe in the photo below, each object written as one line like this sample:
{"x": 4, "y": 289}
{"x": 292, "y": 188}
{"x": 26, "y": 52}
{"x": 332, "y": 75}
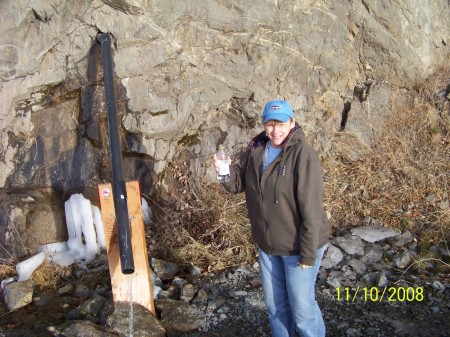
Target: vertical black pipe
{"x": 118, "y": 184}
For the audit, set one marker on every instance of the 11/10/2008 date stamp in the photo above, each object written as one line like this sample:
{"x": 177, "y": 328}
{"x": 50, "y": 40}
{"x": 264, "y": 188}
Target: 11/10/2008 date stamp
{"x": 375, "y": 294}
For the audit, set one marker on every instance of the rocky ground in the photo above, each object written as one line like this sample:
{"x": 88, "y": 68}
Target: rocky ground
{"x": 367, "y": 286}
{"x": 246, "y": 316}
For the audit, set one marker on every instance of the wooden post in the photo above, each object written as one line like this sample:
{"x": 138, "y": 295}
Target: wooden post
{"x": 136, "y": 287}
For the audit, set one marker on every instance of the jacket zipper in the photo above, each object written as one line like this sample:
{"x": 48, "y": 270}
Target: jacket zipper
{"x": 275, "y": 189}
{"x": 280, "y": 171}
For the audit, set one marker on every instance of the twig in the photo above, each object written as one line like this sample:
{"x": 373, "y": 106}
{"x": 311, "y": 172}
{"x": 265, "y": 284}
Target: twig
{"x": 7, "y": 313}
{"x": 423, "y": 260}
{"x": 155, "y": 203}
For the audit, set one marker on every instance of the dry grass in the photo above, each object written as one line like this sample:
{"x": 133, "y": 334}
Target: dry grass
{"x": 7, "y": 269}
{"x": 46, "y": 275}
{"x": 403, "y": 180}
{"x": 208, "y": 227}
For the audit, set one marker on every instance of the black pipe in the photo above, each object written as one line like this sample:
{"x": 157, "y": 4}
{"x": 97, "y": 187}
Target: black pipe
{"x": 118, "y": 185}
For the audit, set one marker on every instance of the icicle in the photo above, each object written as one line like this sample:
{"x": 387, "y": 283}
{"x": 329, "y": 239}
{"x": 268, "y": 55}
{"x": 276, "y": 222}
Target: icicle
{"x": 73, "y": 220}
{"x": 87, "y": 227}
{"x": 80, "y": 225}
{"x": 99, "y": 229}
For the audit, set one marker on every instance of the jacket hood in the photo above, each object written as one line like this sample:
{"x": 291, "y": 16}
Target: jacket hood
{"x": 295, "y": 135}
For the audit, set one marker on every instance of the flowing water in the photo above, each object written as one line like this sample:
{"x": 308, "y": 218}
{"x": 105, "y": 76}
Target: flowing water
{"x": 130, "y": 314}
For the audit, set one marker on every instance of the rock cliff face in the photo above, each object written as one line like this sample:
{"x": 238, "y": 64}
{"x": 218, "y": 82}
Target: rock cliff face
{"x": 192, "y": 74}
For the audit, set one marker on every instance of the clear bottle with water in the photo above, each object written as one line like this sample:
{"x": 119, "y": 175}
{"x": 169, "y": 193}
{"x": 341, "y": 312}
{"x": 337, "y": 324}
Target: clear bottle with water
{"x": 223, "y": 164}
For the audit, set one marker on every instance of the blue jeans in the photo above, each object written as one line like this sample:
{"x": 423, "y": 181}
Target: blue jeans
{"x": 289, "y": 293}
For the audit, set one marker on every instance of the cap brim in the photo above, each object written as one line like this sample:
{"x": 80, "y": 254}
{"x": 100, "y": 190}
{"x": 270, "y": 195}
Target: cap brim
{"x": 276, "y": 117}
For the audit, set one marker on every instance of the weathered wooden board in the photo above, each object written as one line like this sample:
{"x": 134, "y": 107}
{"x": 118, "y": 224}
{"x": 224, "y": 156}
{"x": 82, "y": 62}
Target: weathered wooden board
{"x": 136, "y": 287}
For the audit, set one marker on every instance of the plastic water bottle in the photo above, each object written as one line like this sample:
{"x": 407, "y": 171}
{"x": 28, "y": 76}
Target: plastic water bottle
{"x": 224, "y": 167}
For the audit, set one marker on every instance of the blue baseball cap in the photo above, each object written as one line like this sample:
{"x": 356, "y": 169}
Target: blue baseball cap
{"x": 277, "y": 110}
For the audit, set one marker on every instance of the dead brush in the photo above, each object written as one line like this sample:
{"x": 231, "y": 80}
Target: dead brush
{"x": 46, "y": 275}
{"x": 208, "y": 227}
{"x": 216, "y": 230}
{"x": 402, "y": 180}
{"x": 7, "y": 268}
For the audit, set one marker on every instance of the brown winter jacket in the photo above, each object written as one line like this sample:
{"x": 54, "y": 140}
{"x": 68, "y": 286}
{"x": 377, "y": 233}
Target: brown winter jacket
{"x": 285, "y": 202}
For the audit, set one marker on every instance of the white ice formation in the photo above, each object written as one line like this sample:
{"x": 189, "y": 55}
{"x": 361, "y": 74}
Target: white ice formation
{"x": 25, "y": 268}
{"x": 146, "y": 212}
{"x": 86, "y": 237}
